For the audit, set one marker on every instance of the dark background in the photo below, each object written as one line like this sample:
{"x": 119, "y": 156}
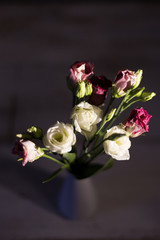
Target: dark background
{"x": 38, "y": 43}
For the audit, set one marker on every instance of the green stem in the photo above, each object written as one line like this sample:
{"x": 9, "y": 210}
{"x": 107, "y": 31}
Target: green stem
{"x": 94, "y": 155}
{"x": 119, "y": 110}
{"x": 128, "y": 105}
{"x": 103, "y": 122}
{"x": 53, "y": 159}
{"x": 99, "y": 144}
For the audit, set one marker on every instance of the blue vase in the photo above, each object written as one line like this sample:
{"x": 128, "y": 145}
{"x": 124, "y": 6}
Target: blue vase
{"x": 77, "y": 198}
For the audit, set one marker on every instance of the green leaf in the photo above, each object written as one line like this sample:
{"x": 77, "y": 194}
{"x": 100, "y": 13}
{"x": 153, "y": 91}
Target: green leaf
{"x": 53, "y": 175}
{"x": 108, "y": 164}
{"x": 70, "y": 157}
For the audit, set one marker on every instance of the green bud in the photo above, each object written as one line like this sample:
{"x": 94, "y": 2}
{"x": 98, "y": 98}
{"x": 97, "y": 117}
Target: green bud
{"x": 146, "y": 96}
{"x": 81, "y": 89}
{"x": 35, "y": 132}
{"x": 25, "y": 136}
{"x": 139, "y": 78}
{"x": 135, "y": 93}
{"x": 110, "y": 115}
{"x": 89, "y": 89}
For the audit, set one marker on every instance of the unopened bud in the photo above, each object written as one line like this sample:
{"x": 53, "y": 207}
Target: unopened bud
{"x": 135, "y": 93}
{"x": 81, "y": 89}
{"x": 35, "y": 131}
{"x": 25, "y": 136}
{"x": 146, "y": 96}
{"x": 89, "y": 89}
{"x": 110, "y": 115}
{"x": 138, "y": 78}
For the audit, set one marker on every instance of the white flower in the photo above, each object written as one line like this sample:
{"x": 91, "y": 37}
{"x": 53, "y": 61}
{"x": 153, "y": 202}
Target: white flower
{"x": 85, "y": 117}
{"x": 60, "y": 138}
{"x": 118, "y": 148}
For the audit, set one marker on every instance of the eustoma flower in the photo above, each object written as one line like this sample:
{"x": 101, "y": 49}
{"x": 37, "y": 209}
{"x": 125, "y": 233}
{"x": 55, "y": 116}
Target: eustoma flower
{"x": 124, "y": 81}
{"x": 100, "y": 87}
{"x": 28, "y": 151}
{"x": 117, "y": 147}
{"x": 85, "y": 117}
{"x": 80, "y": 71}
{"x": 137, "y": 122}
{"x": 60, "y": 138}
{"x": 92, "y": 119}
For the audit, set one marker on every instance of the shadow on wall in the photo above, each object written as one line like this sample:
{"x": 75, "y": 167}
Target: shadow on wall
{"x": 27, "y": 183}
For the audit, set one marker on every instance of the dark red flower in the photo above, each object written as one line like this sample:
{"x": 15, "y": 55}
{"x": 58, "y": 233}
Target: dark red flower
{"x": 100, "y": 87}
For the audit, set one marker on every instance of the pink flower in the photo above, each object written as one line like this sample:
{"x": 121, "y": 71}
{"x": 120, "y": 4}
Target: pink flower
{"x": 28, "y": 151}
{"x": 100, "y": 87}
{"x": 137, "y": 122}
{"x": 80, "y": 71}
{"x": 124, "y": 81}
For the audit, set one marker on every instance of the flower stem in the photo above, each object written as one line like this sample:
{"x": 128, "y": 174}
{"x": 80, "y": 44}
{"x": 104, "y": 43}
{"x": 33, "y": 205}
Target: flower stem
{"x": 45, "y": 149}
{"x": 103, "y": 122}
{"x": 53, "y": 159}
{"x": 119, "y": 110}
{"x": 128, "y": 105}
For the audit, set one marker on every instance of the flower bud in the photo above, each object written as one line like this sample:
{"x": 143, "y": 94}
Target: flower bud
{"x": 146, "y": 96}
{"x": 25, "y": 136}
{"x": 138, "y": 78}
{"x": 123, "y": 82}
{"x": 135, "y": 93}
{"x": 27, "y": 151}
{"x": 80, "y": 71}
{"x": 110, "y": 115}
{"x": 36, "y": 132}
{"x": 89, "y": 89}
{"x": 81, "y": 89}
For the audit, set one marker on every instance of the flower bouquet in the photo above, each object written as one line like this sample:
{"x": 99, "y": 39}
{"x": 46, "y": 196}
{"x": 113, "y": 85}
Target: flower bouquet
{"x": 92, "y": 116}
